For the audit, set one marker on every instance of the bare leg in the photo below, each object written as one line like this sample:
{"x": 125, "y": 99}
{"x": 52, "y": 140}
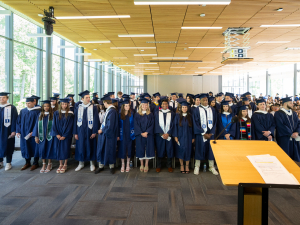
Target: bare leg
{"x": 142, "y": 165}
{"x": 181, "y": 166}
{"x": 123, "y": 166}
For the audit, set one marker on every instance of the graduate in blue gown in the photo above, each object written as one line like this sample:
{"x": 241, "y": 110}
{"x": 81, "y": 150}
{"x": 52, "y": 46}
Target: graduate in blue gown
{"x": 251, "y": 103}
{"x": 44, "y": 140}
{"x": 173, "y": 103}
{"x": 155, "y": 104}
{"x": 246, "y": 102}
{"x": 107, "y": 138}
{"x": 144, "y": 134}
{"x": 126, "y": 135}
{"x": 25, "y": 124}
{"x": 224, "y": 118}
{"x": 288, "y": 129}
{"x": 86, "y": 125}
{"x": 62, "y": 132}
{"x": 230, "y": 97}
{"x": 244, "y": 125}
{"x": 218, "y": 102}
{"x": 54, "y": 103}
{"x": 196, "y": 103}
{"x": 8, "y": 120}
{"x": 263, "y": 123}
{"x": 36, "y": 100}
{"x": 72, "y": 103}
{"x": 204, "y": 124}
{"x": 163, "y": 128}
{"x": 134, "y": 105}
{"x": 184, "y": 137}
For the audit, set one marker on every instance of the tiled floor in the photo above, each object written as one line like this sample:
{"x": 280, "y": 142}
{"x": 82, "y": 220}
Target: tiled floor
{"x": 29, "y": 197}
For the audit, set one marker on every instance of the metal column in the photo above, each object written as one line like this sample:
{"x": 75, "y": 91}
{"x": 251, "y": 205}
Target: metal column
{"x": 87, "y": 77}
{"x": 295, "y": 79}
{"x": 9, "y": 56}
{"x": 81, "y": 70}
{"x": 62, "y": 70}
{"x": 145, "y": 83}
{"x": 48, "y": 75}
{"x": 101, "y": 77}
{"x": 96, "y": 78}
{"x": 39, "y": 65}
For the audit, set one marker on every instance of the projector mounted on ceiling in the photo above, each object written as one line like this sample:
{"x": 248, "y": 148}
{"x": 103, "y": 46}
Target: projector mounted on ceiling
{"x": 48, "y": 20}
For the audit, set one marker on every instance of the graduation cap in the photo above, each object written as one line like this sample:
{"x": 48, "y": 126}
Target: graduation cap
{"x": 173, "y": 93}
{"x": 123, "y": 102}
{"x": 111, "y": 93}
{"x": 225, "y": 103}
{"x": 4, "y": 93}
{"x": 229, "y": 94}
{"x": 46, "y": 101}
{"x": 221, "y": 93}
{"x": 56, "y": 95}
{"x": 203, "y": 95}
{"x": 180, "y": 95}
{"x": 210, "y": 92}
{"x": 260, "y": 101}
{"x": 147, "y": 95}
{"x": 30, "y": 99}
{"x": 125, "y": 96}
{"x": 156, "y": 94}
{"x": 243, "y": 107}
{"x": 180, "y": 100}
{"x": 163, "y": 98}
{"x": 190, "y": 95}
{"x": 126, "y": 99}
{"x": 95, "y": 99}
{"x": 247, "y": 93}
{"x": 218, "y": 95}
{"x": 84, "y": 93}
{"x": 53, "y": 99}
{"x": 114, "y": 100}
{"x": 95, "y": 93}
{"x": 244, "y": 99}
{"x": 132, "y": 93}
{"x": 105, "y": 97}
{"x": 197, "y": 96}
{"x": 288, "y": 99}
{"x": 210, "y": 99}
{"x": 35, "y": 97}
{"x": 65, "y": 100}
{"x": 144, "y": 100}
{"x": 100, "y": 102}
{"x": 185, "y": 103}
{"x": 70, "y": 95}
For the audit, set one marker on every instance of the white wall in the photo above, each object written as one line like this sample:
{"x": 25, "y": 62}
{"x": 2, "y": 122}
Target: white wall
{"x": 166, "y": 84}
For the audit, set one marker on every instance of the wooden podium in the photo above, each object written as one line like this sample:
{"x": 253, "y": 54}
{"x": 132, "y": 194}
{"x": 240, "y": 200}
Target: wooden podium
{"x": 237, "y": 170}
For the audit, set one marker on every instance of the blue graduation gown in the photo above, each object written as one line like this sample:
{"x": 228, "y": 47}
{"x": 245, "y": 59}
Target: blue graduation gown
{"x": 85, "y": 147}
{"x": 25, "y": 124}
{"x": 153, "y": 107}
{"x": 223, "y": 121}
{"x": 253, "y": 107}
{"x": 218, "y": 107}
{"x": 144, "y": 123}
{"x": 184, "y": 133}
{"x": 173, "y": 106}
{"x": 77, "y": 104}
{"x": 72, "y": 108}
{"x": 7, "y": 145}
{"x": 285, "y": 127}
{"x": 234, "y": 109}
{"x": 125, "y": 145}
{"x": 262, "y": 122}
{"x": 203, "y": 149}
{"x": 45, "y": 149}
{"x": 107, "y": 141}
{"x": 163, "y": 146}
{"x": 64, "y": 128}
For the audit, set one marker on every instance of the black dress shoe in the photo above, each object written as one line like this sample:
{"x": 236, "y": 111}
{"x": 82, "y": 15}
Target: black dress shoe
{"x": 112, "y": 170}
{"x": 99, "y": 170}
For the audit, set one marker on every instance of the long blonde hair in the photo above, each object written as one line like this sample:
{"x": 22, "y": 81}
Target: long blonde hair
{"x": 147, "y": 111}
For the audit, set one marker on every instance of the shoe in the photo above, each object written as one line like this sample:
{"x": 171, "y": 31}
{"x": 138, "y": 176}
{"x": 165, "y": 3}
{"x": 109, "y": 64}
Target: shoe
{"x": 213, "y": 170}
{"x": 46, "y": 170}
{"x": 99, "y": 170}
{"x": 127, "y": 168}
{"x": 123, "y": 168}
{"x": 42, "y": 171}
{"x": 146, "y": 169}
{"x": 63, "y": 170}
{"x": 1, "y": 165}
{"x": 170, "y": 169}
{"x": 58, "y": 170}
{"x": 196, "y": 170}
{"x": 187, "y": 169}
{"x": 158, "y": 170}
{"x": 7, "y": 166}
{"x": 26, "y": 166}
{"x": 112, "y": 170}
{"x": 79, "y": 167}
{"x": 33, "y": 167}
{"x": 142, "y": 168}
{"x": 92, "y": 167}
{"x": 182, "y": 171}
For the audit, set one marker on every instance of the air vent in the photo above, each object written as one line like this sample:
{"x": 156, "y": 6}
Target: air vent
{"x": 161, "y": 42}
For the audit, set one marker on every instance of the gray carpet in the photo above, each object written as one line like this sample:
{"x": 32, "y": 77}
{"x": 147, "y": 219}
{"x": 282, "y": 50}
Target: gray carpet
{"x": 29, "y": 197}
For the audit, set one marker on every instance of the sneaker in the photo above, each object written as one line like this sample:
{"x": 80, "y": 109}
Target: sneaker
{"x": 213, "y": 170}
{"x": 99, "y": 170}
{"x": 196, "y": 170}
{"x": 112, "y": 170}
{"x": 7, "y": 166}
{"x": 79, "y": 167}
{"x": 92, "y": 167}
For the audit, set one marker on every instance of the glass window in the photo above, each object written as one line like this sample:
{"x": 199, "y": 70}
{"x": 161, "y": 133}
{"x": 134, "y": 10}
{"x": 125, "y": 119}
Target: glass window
{"x": 69, "y": 52}
{"x": 55, "y": 44}
{"x": 69, "y": 77}
{"x": 92, "y": 76}
{"x": 24, "y": 73}
{"x": 21, "y": 28}
{"x": 55, "y": 73}
{"x": 2, "y": 23}
{"x": 105, "y": 73}
{"x": 2, "y": 63}
{"x": 257, "y": 83}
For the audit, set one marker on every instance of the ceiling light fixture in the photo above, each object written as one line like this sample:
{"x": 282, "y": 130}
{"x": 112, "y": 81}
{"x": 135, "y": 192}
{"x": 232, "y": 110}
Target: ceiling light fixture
{"x": 95, "y": 49}
{"x": 89, "y": 42}
{"x": 132, "y": 47}
{"x": 200, "y": 28}
{"x": 136, "y": 35}
{"x": 91, "y": 17}
{"x": 296, "y": 48}
{"x": 282, "y": 25}
{"x": 182, "y": 2}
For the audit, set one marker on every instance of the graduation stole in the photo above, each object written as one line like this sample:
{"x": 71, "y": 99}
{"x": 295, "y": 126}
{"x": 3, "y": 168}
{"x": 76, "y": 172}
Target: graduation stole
{"x": 290, "y": 113}
{"x": 131, "y": 122}
{"x": 41, "y": 130}
{"x": 226, "y": 118}
{"x": 206, "y": 121}
{"x": 90, "y": 116}
{"x": 7, "y": 114}
{"x": 104, "y": 120}
{"x": 162, "y": 125}
{"x": 101, "y": 116}
{"x": 245, "y": 129}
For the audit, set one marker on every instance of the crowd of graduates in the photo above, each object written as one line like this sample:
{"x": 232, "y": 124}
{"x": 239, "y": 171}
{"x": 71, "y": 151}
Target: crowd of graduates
{"x": 142, "y": 126}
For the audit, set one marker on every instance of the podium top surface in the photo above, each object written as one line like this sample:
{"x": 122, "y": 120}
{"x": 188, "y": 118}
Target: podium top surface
{"x": 235, "y": 167}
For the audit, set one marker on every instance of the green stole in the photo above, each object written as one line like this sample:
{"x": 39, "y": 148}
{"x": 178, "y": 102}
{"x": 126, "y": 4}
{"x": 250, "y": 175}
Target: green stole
{"x": 41, "y": 130}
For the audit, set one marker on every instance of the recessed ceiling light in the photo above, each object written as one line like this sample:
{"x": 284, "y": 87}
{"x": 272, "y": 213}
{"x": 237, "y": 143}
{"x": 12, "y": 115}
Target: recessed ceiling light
{"x": 279, "y": 9}
{"x": 145, "y": 55}
{"x": 170, "y": 57}
{"x": 95, "y": 49}
{"x": 182, "y": 2}
{"x": 142, "y": 50}
{"x": 91, "y": 17}
{"x": 136, "y": 35}
{"x": 272, "y": 42}
{"x": 84, "y": 42}
{"x": 202, "y": 14}
{"x": 38, "y": 35}
{"x": 132, "y": 47}
{"x": 295, "y": 48}
{"x": 94, "y": 60}
{"x": 147, "y": 63}
{"x": 197, "y": 28}
{"x": 282, "y": 25}
{"x": 206, "y": 47}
